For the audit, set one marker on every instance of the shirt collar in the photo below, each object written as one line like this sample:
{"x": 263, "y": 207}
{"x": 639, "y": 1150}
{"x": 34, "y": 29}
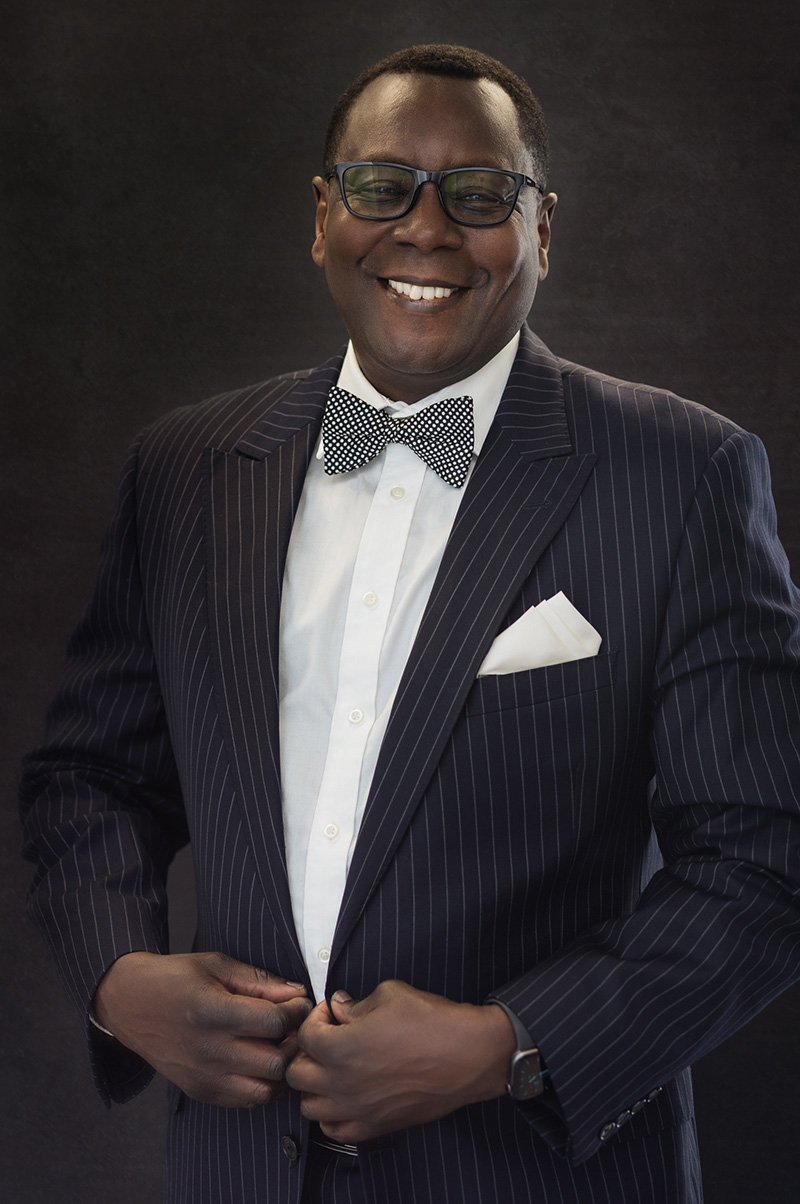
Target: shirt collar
{"x": 485, "y": 387}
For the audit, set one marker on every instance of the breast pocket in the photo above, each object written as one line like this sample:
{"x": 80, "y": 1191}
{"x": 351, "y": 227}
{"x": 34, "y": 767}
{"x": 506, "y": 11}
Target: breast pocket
{"x": 529, "y": 687}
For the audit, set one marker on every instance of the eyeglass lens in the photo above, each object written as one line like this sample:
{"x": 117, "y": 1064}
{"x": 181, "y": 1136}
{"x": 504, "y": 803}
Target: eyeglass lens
{"x": 379, "y": 190}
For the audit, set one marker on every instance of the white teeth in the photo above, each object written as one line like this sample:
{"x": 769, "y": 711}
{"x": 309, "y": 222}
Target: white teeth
{"x": 419, "y": 292}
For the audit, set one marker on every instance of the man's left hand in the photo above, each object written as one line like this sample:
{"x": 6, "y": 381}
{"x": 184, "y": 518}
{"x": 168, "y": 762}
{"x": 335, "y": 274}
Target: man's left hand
{"x": 399, "y": 1057}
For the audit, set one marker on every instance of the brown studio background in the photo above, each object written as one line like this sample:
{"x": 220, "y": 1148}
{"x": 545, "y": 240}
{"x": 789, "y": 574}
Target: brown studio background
{"x": 157, "y": 234}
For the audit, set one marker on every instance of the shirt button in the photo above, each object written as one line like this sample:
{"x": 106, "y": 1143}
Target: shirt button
{"x": 398, "y": 492}
{"x": 331, "y": 831}
{"x": 370, "y": 599}
{"x": 356, "y": 716}
{"x": 324, "y": 954}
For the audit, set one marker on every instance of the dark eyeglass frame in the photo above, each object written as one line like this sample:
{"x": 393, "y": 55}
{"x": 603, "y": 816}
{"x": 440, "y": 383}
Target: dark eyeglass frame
{"x": 434, "y": 177}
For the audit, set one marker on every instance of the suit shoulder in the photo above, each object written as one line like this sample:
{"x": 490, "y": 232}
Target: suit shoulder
{"x": 652, "y": 411}
{"x": 220, "y": 421}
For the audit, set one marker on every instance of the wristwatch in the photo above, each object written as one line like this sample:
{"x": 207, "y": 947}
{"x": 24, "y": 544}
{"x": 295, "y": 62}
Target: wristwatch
{"x": 527, "y": 1076}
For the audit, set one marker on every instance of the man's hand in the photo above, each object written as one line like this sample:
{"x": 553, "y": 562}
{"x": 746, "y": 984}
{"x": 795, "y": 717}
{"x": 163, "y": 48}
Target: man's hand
{"x": 399, "y": 1057}
{"x": 223, "y": 1031}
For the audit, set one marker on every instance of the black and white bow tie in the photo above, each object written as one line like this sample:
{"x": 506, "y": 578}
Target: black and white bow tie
{"x": 442, "y": 435}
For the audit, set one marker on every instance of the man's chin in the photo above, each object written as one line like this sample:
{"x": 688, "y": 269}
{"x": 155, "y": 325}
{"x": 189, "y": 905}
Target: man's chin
{"x": 408, "y": 371}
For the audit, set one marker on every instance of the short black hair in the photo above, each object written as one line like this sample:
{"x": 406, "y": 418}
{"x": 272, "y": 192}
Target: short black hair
{"x": 459, "y": 62}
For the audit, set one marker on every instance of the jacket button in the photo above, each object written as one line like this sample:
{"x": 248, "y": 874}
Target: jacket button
{"x": 623, "y": 1117}
{"x": 608, "y": 1131}
{"x": 290, "y": 1148}
{"x": 655, "y": 1092}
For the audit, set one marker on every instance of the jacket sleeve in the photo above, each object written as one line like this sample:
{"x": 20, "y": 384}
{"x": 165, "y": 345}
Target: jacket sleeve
{"x": 716, "y": 932}
{"x": 101, "y": 804}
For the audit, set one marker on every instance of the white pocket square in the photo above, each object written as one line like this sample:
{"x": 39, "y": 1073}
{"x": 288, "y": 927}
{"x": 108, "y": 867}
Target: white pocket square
{"x": 548, "y": 634}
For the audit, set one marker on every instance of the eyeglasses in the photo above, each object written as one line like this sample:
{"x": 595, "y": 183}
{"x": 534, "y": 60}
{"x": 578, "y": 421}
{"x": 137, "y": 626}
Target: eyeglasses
{"x": 471, "y": 196}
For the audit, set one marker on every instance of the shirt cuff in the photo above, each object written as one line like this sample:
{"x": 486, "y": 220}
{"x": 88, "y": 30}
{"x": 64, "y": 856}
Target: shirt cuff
{"x": 93, "y": 1019}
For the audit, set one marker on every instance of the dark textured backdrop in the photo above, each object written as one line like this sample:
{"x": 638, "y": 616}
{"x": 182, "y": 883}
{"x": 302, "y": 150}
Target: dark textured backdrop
{"x": 159, "y": 218}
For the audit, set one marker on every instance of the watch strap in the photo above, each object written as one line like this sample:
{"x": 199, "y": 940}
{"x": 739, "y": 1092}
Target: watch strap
{"x": 528, "y": 1076}
{"x": 524, "y": 1039}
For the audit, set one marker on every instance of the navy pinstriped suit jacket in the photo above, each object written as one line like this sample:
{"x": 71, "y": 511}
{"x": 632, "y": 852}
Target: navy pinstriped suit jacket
{"x": 610, "y": 846}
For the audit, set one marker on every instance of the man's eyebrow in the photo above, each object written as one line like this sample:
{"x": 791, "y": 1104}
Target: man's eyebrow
{"x": 385, "y": 157}
{"x": 401, "y": 161}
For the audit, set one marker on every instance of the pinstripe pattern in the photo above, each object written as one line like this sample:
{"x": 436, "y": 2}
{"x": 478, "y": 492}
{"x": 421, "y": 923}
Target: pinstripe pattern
{"x": 509, "y": 842}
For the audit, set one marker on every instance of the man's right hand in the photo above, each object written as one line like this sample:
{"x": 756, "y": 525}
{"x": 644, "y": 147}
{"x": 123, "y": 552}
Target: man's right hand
{"x": 223, "y": 1031}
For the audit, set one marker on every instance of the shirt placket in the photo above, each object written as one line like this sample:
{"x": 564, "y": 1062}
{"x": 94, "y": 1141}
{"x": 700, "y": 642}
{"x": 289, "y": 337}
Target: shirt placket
{"x": 375, "y": 575}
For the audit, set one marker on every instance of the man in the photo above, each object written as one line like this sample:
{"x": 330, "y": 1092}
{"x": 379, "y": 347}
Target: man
{"x": 487, "y": 745}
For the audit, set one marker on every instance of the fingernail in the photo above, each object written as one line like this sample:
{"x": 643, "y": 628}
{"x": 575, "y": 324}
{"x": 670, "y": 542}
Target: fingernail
{"x": 301, "y": 986}
{"x": 341, "y": 997}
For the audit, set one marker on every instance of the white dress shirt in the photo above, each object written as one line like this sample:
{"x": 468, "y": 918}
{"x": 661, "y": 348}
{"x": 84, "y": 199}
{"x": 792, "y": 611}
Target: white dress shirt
{"x": 363, "y": 555}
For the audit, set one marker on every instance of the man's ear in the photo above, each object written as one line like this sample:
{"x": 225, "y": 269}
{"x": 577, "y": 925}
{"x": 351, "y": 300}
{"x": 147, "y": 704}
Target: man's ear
{"x": 546, "y": 210}
{"x": 320, "y": 187}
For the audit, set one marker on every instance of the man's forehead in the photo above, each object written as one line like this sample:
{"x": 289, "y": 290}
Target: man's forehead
{"x": 422, "y": 105}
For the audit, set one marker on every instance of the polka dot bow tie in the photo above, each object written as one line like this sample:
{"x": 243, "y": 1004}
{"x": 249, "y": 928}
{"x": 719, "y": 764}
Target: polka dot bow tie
{"x": 442, "y": 435}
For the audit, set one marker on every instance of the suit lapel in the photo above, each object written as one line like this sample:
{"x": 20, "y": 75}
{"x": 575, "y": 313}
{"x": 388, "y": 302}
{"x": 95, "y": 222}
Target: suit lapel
{"x": 525, "y": 483}
{"x": 252, "y": 492}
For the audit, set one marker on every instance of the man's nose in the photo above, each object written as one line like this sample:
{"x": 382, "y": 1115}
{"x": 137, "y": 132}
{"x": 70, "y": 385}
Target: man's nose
{"x": 426, "y": 224}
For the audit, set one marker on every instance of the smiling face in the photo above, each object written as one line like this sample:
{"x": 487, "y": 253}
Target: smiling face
{"x": 427, "y": 301}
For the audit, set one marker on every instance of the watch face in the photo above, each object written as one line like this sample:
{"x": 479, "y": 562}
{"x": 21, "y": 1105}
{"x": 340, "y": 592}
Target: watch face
{"x": 526, "y": 1075}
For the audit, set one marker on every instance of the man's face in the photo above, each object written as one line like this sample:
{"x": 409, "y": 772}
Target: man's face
{"x": 410, "y": 348}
